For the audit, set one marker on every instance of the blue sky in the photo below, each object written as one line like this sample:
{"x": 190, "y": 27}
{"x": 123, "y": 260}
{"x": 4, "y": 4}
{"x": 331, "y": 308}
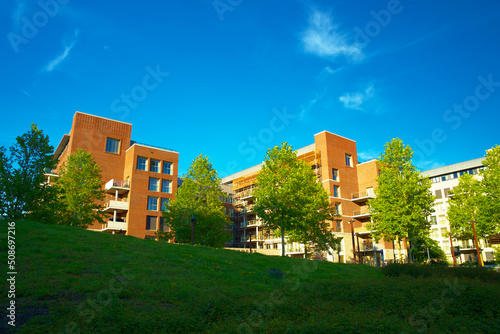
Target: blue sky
{"x": 231, "y": 78}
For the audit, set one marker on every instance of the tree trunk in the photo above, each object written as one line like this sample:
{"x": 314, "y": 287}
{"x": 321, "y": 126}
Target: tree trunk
{"x": 399, "y": 250}
{"x": 282, "y": 242}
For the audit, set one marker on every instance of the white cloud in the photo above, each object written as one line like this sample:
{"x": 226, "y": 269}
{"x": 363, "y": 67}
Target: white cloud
{"x": 368, "y": 155}
{"x": 356, "y": 99}
{"x": 59, "y": 59}
{"x": 17, "y": 14}
{"x": 324, "y": 39}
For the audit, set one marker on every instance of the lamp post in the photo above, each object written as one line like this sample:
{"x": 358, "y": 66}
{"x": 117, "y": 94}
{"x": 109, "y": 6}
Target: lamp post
{"x": 453, "y": 252}
{"x": 250, "y": 234}
{"x": 357, "y": 239}
{"x": 351, "y": 222}
{"x": 192, "y": 230}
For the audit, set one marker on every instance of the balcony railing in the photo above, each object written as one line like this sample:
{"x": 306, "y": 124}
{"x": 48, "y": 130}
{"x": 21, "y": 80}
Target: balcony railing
{"x": 116, "y": 205}
{"x": 116, "y": 184}
{"x": 363, "y": 195}
{"x": 116, "y": 225}
{"x": 361, "y": 212}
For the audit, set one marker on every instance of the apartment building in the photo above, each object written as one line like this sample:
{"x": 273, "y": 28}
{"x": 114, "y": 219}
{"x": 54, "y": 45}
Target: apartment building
{"x": 443, "y": 180}
{"x": 334, "y": 160}
{"x": 139, "y": 179}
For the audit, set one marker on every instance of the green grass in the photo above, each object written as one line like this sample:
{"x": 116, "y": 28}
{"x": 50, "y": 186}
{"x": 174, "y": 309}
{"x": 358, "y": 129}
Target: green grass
{"x": 72, "y": 280}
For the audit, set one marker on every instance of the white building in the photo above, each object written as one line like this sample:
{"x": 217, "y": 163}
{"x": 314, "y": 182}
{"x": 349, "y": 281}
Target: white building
{"x": 443, "y": 180}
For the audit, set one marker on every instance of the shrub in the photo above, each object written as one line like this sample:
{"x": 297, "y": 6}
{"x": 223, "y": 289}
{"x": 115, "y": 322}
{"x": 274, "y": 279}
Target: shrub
{"x": 483, "y": 274}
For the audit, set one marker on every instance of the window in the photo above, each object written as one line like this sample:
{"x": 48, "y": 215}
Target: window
{"x": 164, "y": 227}
{"x": 142, "y": 163}
{"x": 446, "y": 192}
{"x": 164, "y": 204}
{"x": 339, "y": 225}
{"x": 167, "y": 168}
{"x": 438, "y": 194}
{"x": 152, "y": 203}
{"x": 337, "y": 208}
{"x": 166, "y": 186}
{"x": 153, "y": 184}
{"x": 335, "y": 174}
{"x": 155, "y": 166}
{"x": 336, "y": 191}
{"x": 151, "y": 223}
{"x": 112, "y": 145}
{"x": 433, "y": 220}
{"x": 348, "y": 160}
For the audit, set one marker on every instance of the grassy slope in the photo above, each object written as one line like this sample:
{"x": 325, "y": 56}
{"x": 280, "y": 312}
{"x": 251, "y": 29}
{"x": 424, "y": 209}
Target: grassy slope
{"x": 71, "y": 280}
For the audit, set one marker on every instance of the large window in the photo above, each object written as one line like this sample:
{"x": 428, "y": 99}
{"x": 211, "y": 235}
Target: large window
{"x": 142, "y": 163}
{"x": 167, "y": 168}
{"x": 348, "y": 160}
{"x": 155, "y": 166}
{"x": 152, "y": 203}
{"x": 335, "y": 174}
{"x": 339, "y": 225}
{"x": 338, "y": 209}
{"x": 151, "y": 223}
{"x": 164, "y": 227}
{"x": 164, "y": 204}
{"x": 336, "y": 191}
{"x": 153, "y": 184}
{"x": 112, "y": 145}
{"x": 166, "y": 186}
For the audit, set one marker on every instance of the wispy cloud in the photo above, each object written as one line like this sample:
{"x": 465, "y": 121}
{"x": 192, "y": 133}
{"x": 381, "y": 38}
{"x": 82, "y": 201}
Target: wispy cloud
{"x": 427, "y": 164}
{"x": 368, "y": 155}
{"x": 59, "y": 59}
{"x": 356, "y": 99}
{"x": 17, "y": 14}
{"x": 323, "y": 38}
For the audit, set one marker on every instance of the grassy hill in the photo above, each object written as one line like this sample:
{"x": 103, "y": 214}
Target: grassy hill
{"x": 76, "y": 281}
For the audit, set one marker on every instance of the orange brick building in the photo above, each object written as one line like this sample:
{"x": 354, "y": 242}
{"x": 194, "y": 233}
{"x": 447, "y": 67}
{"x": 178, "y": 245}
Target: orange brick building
{"x": 139, "y": 179}
{"x": 349, "y": 185}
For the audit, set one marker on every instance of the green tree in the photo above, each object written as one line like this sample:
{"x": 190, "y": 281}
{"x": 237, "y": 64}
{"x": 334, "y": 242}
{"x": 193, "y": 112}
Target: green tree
{"x": 403, "y": 199}
{"x": 464, "y": 207}
{"x": 200, "y": 196}
{"x": 289, "y": 199}
{"x": 80, "y": 187}
{"x": 425, "y": 248}
{"x": 489, "y": 221}
{"x": 22, "y": 180}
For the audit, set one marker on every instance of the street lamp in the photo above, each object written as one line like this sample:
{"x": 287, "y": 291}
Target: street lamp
{"x": 192, "y": 230}
{"x": 351, "y": 222}
{"x": 250, "y": 234}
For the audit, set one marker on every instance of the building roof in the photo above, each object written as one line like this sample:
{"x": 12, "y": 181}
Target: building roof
{"x": 454, "y": 168}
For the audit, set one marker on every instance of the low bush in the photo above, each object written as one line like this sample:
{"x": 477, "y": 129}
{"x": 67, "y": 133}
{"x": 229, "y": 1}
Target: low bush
{"x": 483, "y": 274}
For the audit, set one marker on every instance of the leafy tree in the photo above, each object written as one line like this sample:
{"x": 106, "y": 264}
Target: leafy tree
{"x": 22, "y": 177}
{"x": 425, "y": 248}
{"x": 200, "y": 196}
{"x": 489, "y": 221}
{"x": 289, "y": 198}
{"x": 80, "y": 186}
{"x": 403, "y": 199}
{"x": 464, "y": 207}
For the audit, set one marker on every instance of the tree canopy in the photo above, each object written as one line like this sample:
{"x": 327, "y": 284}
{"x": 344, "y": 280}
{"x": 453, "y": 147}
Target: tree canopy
{"x": 289, "y": 198}
{"x": 464, "y": 207}
{"x": 80, "y": 186}
{"x": 200, "y": 196}
{"x": 22, "y": 180}
{"x": 489, "y": 221}
{"x": 403, "y": 199}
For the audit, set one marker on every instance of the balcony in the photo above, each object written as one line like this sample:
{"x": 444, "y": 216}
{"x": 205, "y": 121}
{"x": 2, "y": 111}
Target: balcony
{"x": 119, "y": 206}
{"x": 112, "y": 225}
{"x": 361, "y": 213}
{"x": 248, "y": 209}
{"x": 363, "y": 196}
{"x": 245, "y": 195}
{"x": 117, "y": 185}
{"x": 363, "y": 229}
{"x": 254, "y": 223}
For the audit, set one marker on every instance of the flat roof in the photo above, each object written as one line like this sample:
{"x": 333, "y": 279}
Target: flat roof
{"x": 132, "y": 143}
{"x": 62, "y": 144}
{"x": 454, "y": 167}
{"x": 335, "y": 135}
{"x": 109, "y": 119}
